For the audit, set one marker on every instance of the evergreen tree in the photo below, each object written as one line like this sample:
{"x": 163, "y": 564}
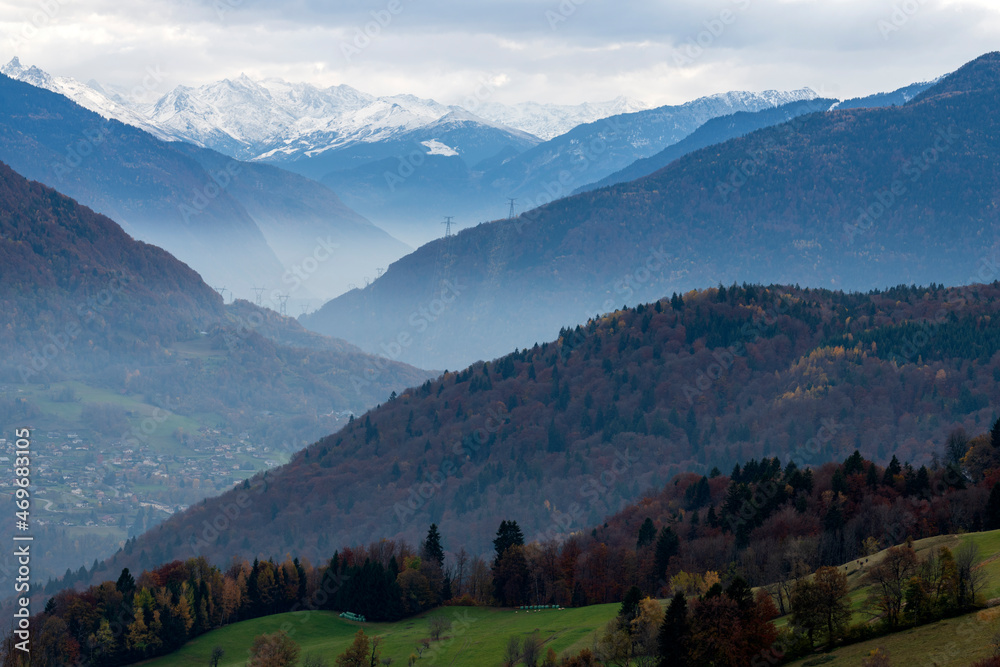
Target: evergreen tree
{"x": 630, "y": 607}
{"x": 126, "y": 584}
{"x": 993, "y": 508}
{"x": 891, "y": 471}
{"x": 995, "y": 434}
{"x": 647, "y": 533}
{"x": 667, "y": 546}
{"x": 675, "y": 634}
{"x": 739, "y": 591}
{"x": 432, "y": 550}
{"x": 509, "y": 534}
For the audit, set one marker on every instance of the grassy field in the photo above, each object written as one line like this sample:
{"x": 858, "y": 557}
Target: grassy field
{"x": 477, "y": 637}
{"x": 956, "y": 642}
{"x": 479, "y": 634}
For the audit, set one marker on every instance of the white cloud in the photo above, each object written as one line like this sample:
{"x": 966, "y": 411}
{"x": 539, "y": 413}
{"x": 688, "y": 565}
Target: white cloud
{"x": 445, "y": 48}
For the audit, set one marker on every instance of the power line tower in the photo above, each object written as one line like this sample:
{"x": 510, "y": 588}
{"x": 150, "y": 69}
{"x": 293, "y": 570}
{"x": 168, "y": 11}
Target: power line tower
{"x": 447, "y": 224}
{"x": 259, "y": 292}
{"x": 510, "y": 216}
{"x": 378, "y": 273}
{"x": 222, "y": 292}
{"x": 283, "y": 304}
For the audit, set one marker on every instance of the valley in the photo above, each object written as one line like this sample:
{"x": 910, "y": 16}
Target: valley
{"x": 478, "y": 335}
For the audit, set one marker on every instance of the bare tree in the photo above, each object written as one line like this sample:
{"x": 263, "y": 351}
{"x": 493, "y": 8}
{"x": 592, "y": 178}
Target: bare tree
{"x": 314, "y": 660}
{"x": 971, "y": 577}
{"x": 888, "y": 580}
{"x": 512, "y": 652}
{"x": 217, "y": 654}
{"x": 531, "y": 650}
{"x": 438, "y": 625}
{"x": 461, "y": 569}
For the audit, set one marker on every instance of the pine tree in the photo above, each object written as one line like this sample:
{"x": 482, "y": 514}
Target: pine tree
{"x": 126, "y": 584}
{"x": 675, "y": 634}
{"x": 630, "y": 607}
{"x": 995, "y": 435}
{"x": 432, "y": 550}
{"x": 993, "y": 508}
{"x": 667, "y": 546}
{"x": 893, "y": 469}
{"x": 647, "y": 533}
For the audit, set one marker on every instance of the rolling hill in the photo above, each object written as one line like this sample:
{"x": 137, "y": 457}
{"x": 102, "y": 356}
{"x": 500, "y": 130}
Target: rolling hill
{"x": 574, "y": 429}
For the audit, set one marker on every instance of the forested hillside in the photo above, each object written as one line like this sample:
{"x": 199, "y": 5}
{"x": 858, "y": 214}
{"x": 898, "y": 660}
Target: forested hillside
{"x": 570, "y": 431}
{"x": 139, "y": 384}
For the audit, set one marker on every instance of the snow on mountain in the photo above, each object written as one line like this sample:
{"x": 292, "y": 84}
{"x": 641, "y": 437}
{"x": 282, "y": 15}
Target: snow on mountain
{"x": 435, "y": 147}
{"x": 90, "y": 97}
{"x": 550, "y": 120}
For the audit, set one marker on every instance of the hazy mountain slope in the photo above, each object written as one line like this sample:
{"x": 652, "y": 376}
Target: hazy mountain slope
{"x": 784, "y": 204}
{"x": 570, "y": 431}
{"x": 410, "y": 188}
{"x": 125, "y": 347}
{"x": 215, "y": 213}
{"x": 594, "y": 150}
{"x": 715, "y": 131}
{"x": 740, "y": 124}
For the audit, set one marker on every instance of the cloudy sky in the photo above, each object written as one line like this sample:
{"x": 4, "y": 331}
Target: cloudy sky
{"x": 560, "y": 51}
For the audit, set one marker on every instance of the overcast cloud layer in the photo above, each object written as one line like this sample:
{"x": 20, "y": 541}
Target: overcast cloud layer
{"x": 560, "y": 51}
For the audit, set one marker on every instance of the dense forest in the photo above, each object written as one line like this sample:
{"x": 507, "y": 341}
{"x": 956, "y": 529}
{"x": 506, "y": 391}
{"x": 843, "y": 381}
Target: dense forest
{"x": 709, "y": 538}
{"x": 577, "y": 428}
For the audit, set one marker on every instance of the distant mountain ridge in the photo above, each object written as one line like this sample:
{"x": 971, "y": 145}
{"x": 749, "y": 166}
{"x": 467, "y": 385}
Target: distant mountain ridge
{"x": 404, "y": 161}
{"x": 842, "y": 198}
{"x": 408, "y": 190}
{"x": 239, "y": 224}
{"x": 741, "y": 123}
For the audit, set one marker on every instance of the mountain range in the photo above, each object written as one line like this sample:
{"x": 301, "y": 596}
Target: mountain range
{"x": 238, "y": 224}
{"x": 853, "y": 199}
{"x": 403, "y": 161}
{"x": 741, "y": 123}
